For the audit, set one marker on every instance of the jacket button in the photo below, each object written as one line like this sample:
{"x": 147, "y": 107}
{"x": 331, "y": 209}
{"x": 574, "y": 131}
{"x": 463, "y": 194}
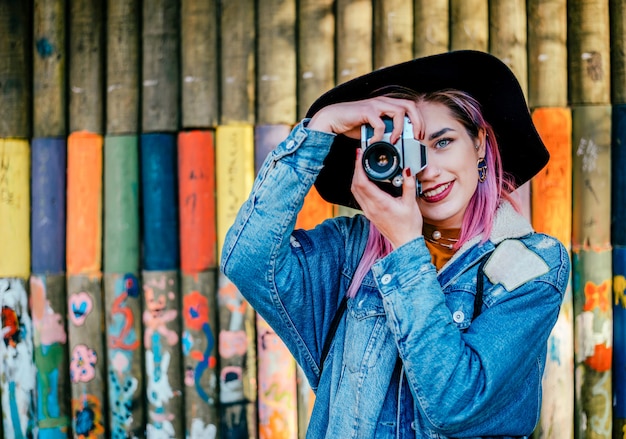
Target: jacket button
{"x": 385, "y": 279}
{"x": 458, "y": 316}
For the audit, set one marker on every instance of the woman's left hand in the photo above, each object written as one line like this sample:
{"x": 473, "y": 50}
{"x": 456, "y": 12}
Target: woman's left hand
{"x": 397, "y": 218}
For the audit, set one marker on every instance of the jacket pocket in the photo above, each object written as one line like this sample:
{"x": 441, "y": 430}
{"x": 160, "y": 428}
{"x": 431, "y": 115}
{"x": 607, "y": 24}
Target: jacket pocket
{"x": 366, "y": 330}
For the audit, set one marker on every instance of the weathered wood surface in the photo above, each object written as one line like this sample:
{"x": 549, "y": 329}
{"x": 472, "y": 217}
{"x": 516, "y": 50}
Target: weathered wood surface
{"x": 316, "y": 43}
{"x": 431, "y": 30}
{"x": 86, "y": 69}
{"x": 588, "y": 39}
{"x": 160, "y": 94}
{"x": 199, "y": 63}
{"x": 49, "y": 68}
{"x": 354, "y": 38}
{"x": 237, "y": 62}
{"x": 393, "y": 32}
{"x": 469, "y": 25}
{"x": 122, "y": 67}
{"x": 15, "y": 69}
{"x": 547, "y": 53}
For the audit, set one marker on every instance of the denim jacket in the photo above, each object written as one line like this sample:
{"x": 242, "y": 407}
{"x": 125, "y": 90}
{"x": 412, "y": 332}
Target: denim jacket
{"x": 407, "y": 361}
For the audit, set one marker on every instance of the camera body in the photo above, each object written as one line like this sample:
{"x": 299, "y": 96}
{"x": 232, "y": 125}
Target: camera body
{"x": 384, "y": 161}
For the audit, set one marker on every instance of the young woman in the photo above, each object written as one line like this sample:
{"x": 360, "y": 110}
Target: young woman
{"x": 451, "y": 296}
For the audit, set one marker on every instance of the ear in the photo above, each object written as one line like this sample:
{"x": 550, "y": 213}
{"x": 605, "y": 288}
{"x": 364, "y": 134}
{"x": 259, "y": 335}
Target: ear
{"x": 481, "y": 143}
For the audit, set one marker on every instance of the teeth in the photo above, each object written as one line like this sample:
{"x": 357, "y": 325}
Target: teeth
{"x": 436, "y": 191}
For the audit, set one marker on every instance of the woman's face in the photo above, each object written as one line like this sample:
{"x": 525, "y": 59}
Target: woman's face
{"x": 451, "y": 177}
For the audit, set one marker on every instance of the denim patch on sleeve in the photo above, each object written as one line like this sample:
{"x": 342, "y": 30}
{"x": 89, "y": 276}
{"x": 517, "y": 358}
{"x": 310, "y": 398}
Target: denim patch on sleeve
{"x": 512, "y": 264}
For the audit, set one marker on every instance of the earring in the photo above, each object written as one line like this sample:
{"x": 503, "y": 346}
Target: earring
{"x": 482, "y": 169}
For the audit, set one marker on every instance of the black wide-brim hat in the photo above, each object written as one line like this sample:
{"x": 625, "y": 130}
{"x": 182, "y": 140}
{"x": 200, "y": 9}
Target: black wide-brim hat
{"x": 480, "y": 74}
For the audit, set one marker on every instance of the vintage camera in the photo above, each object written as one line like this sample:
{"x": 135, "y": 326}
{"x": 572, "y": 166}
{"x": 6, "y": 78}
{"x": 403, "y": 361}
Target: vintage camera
{"x": 384, "y": 161}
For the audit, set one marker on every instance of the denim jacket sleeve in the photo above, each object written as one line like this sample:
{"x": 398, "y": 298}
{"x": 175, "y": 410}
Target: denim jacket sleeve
{"x": 467, "y": 383}
{"x": 292, "y": 279}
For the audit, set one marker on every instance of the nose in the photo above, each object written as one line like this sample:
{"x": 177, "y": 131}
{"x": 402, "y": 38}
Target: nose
{"x": 431, "y": 171}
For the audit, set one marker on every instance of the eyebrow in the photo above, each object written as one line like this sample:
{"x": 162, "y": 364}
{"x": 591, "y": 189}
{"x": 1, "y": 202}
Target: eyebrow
{"x": 439, "y": 133}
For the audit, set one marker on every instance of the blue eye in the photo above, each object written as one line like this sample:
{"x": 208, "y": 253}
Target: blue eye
{"x": 442, "y": 143}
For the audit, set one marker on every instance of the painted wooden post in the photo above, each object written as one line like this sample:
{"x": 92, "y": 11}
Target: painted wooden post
{"x": 84, "y": 289}
{"x": 431, "y": 31}
{"x": 469, "y": 24}
{"x": 618, "y": 214}
{"x": 316, "y": 56}
{"x": 237, "y": 339}
{"x": 161, "y": 316}
{"x": 618, "y": 238}
{"x": 121, "y": 240}
{"x": 199, "y": 63}
{"x": 393, "y": 32}
{"x": 48, "y": 304}
{"x": 507, "y": 41}
{"x": 552, "y": 198}
{"x": 17, "y": 385}
{"x": 589, "y": 90}
{"x": 237, "y": 84}
{"x": 276, "y": 366}
{"x": 592, "y": 269}
{"x": 552, "y": 214}
{"x": 354, "y": 48}
{"x": 49, "y": 67}
{"x": 196, "y": 176}
{"x": 122, "y": 289}
{"x": 276, "y": 54}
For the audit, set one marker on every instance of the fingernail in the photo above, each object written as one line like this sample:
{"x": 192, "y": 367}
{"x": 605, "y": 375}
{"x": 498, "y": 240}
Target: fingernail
{"x": 408, "y": 172}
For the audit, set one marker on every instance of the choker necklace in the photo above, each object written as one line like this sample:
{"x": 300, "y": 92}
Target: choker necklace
{"x": 435, "y": 237}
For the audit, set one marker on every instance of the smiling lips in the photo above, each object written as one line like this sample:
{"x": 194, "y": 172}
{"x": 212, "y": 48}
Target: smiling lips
{"x": 437, "y": 193}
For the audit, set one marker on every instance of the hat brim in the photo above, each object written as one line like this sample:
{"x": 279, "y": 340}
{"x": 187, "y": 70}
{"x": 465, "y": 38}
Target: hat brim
{"x": 480, "y": 74}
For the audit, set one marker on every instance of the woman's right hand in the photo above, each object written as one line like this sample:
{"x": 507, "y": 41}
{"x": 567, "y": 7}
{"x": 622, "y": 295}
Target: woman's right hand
{"x": 347, "y": 117}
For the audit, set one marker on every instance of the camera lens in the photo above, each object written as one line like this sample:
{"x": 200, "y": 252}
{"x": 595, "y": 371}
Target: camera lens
{"x": 381, "y": 161}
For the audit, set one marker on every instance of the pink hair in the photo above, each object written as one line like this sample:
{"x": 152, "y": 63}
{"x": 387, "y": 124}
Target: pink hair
{"x": 480, "y": 213}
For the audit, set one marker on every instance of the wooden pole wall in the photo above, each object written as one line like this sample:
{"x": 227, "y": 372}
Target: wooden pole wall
{"x": 113, "y": 109}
